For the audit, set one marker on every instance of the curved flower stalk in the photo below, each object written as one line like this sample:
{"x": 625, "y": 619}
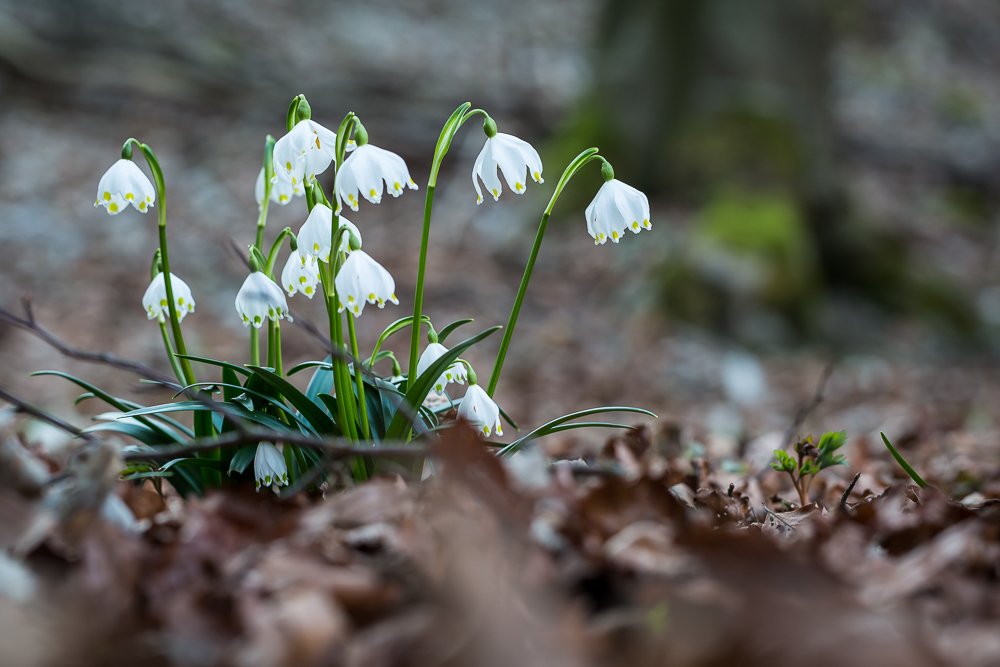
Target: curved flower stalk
{"x": 282, "y": 189}
{"x": 455, "y": 373}
{"x": 615, "y": 208}
{"x": 156, "y": 303}
{"x": 305, "y": 152}
{"x": 479, "y": 410}
{"x": 366, "y": 169}
{"x": 514, "y": 157}
{"x": 316, "y": 234}
{"x": 260, "y": 299}
{"x": 124, "y": 184}
{"x": 300, "y": 275}
{"x": 269, "y": 466}
{"x": 361, "y": 279}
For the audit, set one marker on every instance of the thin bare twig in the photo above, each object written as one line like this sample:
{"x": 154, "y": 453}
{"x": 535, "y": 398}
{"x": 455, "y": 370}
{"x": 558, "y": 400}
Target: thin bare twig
{"x": 804, "y": 411}
{"x": 29, "y": 324}
{"x": 36, "y": 412}
{"x": 847, "y": 493}
{"x": 333, "y": 448}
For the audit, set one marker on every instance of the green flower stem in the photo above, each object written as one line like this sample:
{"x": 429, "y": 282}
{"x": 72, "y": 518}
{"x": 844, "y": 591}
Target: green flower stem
{"x": 359, "y": 379}
{"x": 254, "y": 345}
{"x": 270, "y": 343}
{"x": 573, "y": 167}
{"x": 451, "y": 126}
{"x": 272, "y": 256}
{"x": 161, "y": 194}
{"x": 277, "y": 348}
{"x": 268, "y": 173}
{"x": 335, "y": 367}
{"x": 170, "y": 351}
{"x": 347, "y": 397}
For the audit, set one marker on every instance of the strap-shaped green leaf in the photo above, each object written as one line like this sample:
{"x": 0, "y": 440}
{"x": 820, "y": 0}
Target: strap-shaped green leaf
{"x": 903, "y": 464}
{"x": 546, "y": 428}
{"x": 448, "y": 330}
{"x": 310, "y": 410}
{"x": 242, "y": 458}
{"x": 214, "y": 362}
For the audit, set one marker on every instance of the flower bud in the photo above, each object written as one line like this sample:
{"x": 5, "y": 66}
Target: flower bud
{"x": 355, "y": 242}
{"x": 432, "y": 336}
{"x": 490, "y": 127}
{"x": 257, "y": 261}
{"x": 303, "y": 111}
{"x": 607, "y": 171}
{"x": 127, "y": 150}
{"x": 360, "y": 134}
{"x": 292, "y": 241}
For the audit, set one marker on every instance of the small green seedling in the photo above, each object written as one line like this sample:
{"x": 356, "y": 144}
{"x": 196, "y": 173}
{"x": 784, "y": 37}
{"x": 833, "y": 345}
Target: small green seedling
{"x": 810, "y": 460}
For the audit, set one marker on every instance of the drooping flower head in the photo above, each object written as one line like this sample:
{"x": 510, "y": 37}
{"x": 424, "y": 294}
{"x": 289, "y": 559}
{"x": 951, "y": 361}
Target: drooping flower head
{"x": 124, "y": 184}
{"x": 454, "y": 373}
{"x": 479, "y": 409}
{"x": 260, "y": 299}
{"x": 269, "y": 466}
{"x": 282, "y": 188}
{"x": 366, "y": 169}
{"x": 316, "y": 233}
{"x": 306, "y": 151}
{"x": 300, "y": 275}
{"x": 615, "y": 208}
{"x": 155, "y": 303}
{"x": 361, "y": 279}
{"x": 514, "y": 157}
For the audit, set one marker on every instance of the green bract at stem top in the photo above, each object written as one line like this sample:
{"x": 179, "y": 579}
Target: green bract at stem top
{"x": 161, "y": 194}
{"x": 582, "y": 159}
{"x": 451, "y": 126}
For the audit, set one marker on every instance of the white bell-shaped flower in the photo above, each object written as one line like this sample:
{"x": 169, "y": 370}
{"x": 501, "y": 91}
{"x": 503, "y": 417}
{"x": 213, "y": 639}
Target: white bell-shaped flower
{"x": 479, "y": 409}
{"x": 454, "y": 373}
{"x": 515, "y": 158}
{"x": 260, "y": 299}
{"x": 365, "y": 170}
{"x": 615, "y": 208}
{"x": 269, "y": 466}
{"x": 300, "y": 275}
{"x": 124, "y": 184}
{"x": 316, "y": 233}
{"x": 282, "y": 189}
{"x": 155, "y": 303}
{"x": 306, "y": 151}
{"x": 361, "y": 279}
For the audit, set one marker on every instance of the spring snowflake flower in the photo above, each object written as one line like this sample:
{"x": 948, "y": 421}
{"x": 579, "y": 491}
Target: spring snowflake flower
{"x": 259, "y": 299}
{"x": 454, "y": 373}
{"x": 282, "y": 189}
{"x": 479, "y": 409}
{"x": 365, "y": 170}
{"x": 306, "y": 151}
{"x": 316, "y": 233}
{"x": 615, "y": 208}
{"x": 514, "y": 157}
{"x": 124, "y": 184}
{"x": 155, "y": 303}
{"x": 300, "y": 275}
{"x": 361, "y": 279}
{"x": 269, "y": 466}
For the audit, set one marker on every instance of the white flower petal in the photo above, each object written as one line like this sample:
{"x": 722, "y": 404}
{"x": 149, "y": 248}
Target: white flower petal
{"x": 455, "y": 372}
{"x": 514, "y": 157}
{"x": 155, "y": 303}
{"x": 260, "y": 299}
{"x": 122, "y": 184}
{"x": 269, "y": 466}
{"x": 616, "y": 207}
{"x": 305, "y": 152}
{"x": 282, "y": 188}
{"x": 300, "y": 275}
{"x": 362, "y": 280}
{"x": 479, "y": 409}
{"x": 364, "y": 172}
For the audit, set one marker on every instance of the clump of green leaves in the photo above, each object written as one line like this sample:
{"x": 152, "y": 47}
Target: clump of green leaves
{"x": 810, "y": 459}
